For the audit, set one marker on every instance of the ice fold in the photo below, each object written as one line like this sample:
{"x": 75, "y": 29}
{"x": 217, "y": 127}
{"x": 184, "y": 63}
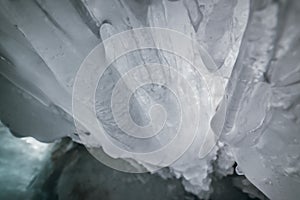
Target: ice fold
{"x": 44, "y": 42}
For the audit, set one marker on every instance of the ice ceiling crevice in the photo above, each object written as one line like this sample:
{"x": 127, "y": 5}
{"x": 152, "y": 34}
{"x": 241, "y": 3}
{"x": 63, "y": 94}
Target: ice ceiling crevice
{"x": 250, "y": 50}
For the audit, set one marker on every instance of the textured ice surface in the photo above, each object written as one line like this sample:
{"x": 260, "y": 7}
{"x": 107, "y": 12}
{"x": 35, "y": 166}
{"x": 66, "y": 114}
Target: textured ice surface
{"x": 79, "y": 176}
{"x": 44, "y": 42}
{"x": 262, "y": 115}
{"x": 65, "y": 170}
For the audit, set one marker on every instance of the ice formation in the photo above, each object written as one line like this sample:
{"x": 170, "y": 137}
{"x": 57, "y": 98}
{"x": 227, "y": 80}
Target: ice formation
{"x": 252, "y": 45}
{"x": 261, "y": 121}
{"x": 15, "y": 154}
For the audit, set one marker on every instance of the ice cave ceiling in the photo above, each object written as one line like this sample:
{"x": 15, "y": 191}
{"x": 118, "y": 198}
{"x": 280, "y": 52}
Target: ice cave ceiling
{"x": 250, "y": 58}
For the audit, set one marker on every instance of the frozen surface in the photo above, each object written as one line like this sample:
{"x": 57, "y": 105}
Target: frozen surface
{"x": 261, "y": 121}
{"x": 44, "y": 42}
{"x": 20, "y": 162}
{"x": 65, "y": 170}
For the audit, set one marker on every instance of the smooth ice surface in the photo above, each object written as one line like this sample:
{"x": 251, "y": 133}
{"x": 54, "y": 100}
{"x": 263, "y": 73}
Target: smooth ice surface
{"x": 21, "y": 160}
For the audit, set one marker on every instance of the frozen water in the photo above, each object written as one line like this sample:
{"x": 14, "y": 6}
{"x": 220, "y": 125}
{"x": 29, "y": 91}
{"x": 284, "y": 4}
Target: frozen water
{"x": 43, "y": 44}
{"x": 262, "y": 115}
{"x": 21, "y": 161}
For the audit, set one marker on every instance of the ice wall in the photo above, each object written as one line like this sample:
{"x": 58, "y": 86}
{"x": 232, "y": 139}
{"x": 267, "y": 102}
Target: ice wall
{"x": 43, "y": 43}
{"x": 261, "y": 120}
{"x": 21, "y": 161}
